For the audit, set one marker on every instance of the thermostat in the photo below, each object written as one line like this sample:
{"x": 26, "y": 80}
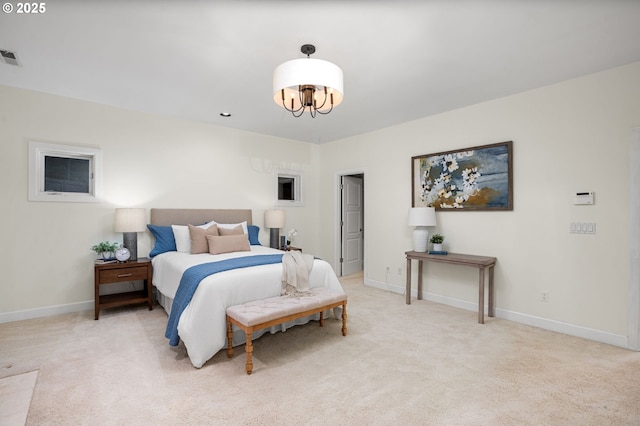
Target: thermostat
{"x": 583, "y": 198}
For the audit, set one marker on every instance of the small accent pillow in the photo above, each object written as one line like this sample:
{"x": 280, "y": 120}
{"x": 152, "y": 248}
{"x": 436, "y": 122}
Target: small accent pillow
{"x": 198, "y": 235}
{"x": 253, "y": 235}
{"x": 230, "y": 231}
{"x": 228, "y": 243}
{"x": 165, "y": 240}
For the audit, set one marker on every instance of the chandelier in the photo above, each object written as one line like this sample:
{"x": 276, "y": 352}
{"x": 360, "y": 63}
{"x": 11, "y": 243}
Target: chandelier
{"x": 307, "y": 83}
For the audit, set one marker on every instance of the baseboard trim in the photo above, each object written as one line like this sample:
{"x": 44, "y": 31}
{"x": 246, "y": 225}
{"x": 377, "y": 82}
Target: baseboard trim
{"x": 46, "y": 312}
{"x": 534, "y": 321}
{"x": 544, "y": 323}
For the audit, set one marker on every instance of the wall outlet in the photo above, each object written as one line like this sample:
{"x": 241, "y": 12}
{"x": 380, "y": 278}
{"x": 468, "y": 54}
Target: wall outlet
{"x": 544, "y": 296}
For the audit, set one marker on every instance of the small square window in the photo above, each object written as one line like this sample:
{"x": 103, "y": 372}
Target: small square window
{"x": 64, "y": 173}
{"x": 288, "y": 188}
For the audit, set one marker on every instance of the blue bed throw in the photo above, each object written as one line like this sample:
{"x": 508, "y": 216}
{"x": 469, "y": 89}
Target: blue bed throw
{"x": 191, "y": 279}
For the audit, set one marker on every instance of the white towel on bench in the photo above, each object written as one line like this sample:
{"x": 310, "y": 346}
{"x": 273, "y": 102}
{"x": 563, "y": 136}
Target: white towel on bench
{"x": 296, "y": 268}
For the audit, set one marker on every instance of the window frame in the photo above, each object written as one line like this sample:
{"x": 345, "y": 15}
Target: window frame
{"x": 296, "y": 175}
{"x": 38, "y": 151}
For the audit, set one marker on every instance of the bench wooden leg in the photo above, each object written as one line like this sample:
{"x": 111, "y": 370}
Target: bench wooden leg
{"x": 229, "y": 338}
{"x": 249, "y": 350}
{"x": 321, "y": 319}
{"x": 344, "y": 319}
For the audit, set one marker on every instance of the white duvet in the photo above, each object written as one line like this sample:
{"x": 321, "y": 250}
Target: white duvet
{"x": 202, "y": 325}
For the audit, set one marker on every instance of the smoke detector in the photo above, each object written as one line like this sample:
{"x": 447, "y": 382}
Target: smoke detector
{"x": 9, "y": 58}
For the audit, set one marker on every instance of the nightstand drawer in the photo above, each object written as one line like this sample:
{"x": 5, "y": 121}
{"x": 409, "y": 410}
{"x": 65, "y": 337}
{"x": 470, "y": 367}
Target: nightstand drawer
{"x": 123, "y": 274}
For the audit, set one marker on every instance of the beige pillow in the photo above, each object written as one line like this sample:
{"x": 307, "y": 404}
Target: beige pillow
{"x": 228, "y": 243}
{"x": 231, "y": 231}
{"x": 198, "y": 235}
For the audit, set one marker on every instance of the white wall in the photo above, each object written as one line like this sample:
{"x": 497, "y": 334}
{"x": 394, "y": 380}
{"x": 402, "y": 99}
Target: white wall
{"x": 148, "y": 161}
{"x": 569, "y": 137}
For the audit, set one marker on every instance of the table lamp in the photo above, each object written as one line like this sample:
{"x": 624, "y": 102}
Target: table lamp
{"x": 130, "y": 222}
{"x": 421, "y": 217}
{"x": 274, "y": 219}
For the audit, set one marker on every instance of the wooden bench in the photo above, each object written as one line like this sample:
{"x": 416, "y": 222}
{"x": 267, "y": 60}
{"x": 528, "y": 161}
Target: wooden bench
{"x": 265, "y": 313}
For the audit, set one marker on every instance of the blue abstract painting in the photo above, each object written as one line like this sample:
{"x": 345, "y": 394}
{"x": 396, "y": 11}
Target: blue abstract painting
{"x": 478, "y": 178}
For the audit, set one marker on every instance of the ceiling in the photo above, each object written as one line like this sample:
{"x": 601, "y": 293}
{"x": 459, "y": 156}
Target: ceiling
{"x": 402, "y": 60}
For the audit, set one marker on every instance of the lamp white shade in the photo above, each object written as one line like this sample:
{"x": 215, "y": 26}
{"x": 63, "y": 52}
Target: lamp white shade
{"x": 299, "y": 72}
{"x": 421, "y": 217}
{"x": 274, "y": 218}
{"x": 130, "y": 220}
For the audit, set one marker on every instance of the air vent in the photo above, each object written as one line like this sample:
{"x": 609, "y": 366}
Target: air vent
{"x": 9, "y": 58}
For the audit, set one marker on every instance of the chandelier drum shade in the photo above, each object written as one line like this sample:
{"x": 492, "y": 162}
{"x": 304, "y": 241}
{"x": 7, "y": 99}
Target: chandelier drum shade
{"x": 311, "y": 84}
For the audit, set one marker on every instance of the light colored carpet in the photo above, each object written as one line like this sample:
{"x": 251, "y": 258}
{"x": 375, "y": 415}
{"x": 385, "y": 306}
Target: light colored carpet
{"x": 422, "y": 363}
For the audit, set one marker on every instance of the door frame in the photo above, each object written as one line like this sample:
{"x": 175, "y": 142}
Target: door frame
{"x": 633, "y": 328}
{"x": 337, "y": 214}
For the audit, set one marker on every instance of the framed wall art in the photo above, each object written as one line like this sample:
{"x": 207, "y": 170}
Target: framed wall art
{"x": 477, "y": 178}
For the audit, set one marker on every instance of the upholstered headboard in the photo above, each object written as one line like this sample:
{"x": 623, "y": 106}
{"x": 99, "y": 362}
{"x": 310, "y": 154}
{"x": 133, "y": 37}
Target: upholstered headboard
{"x": 165, "y": 217}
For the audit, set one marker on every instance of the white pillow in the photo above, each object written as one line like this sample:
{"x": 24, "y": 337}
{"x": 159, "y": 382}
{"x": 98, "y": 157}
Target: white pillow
{"x": 231, "y": 226}
{"x": 183, "y": 237}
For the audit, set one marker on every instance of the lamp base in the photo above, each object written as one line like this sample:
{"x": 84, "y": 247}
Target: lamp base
{"x": 130, "y": 241}
{"x": 420, "y": 239}
{"x": 274, "y": 236}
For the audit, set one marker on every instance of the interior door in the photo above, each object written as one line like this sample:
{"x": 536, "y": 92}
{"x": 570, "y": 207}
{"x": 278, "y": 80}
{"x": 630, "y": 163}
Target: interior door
{"x": 352, "y": 225}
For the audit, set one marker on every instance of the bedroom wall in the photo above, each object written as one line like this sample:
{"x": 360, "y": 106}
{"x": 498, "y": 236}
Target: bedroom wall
{"x": 567, "y": 138}
{"x": 148, "y": 161}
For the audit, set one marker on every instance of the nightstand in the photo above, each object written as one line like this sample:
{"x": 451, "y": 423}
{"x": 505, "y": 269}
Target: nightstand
{"x": 290, "y": 248}
{"x": 109, "y": 273}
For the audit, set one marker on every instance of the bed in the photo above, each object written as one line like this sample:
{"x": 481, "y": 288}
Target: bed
{"x": 201, "y": 326}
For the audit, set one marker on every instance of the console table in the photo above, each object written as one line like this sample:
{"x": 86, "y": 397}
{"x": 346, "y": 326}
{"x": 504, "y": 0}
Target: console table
{"x": 480, "y": 262}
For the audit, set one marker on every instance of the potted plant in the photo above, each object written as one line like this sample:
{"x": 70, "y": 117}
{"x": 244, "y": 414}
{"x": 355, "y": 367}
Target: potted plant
{"x": 106, "y": 249}
{"x": 437, "y": 240}
{"x": 292, "y": 233}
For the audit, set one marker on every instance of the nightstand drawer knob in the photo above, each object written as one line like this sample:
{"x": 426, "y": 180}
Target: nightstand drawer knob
{"x": 124, "y": 275}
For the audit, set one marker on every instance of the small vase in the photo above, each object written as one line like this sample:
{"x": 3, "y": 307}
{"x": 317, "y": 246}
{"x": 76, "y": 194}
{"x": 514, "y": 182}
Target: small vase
{"x": 437, "y": 247}
{"x": 107, "y": 255}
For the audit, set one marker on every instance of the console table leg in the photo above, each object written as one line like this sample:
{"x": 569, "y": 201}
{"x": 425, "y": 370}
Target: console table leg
{"x": 408, "y": 290}
{"x": 491, "y": 304}
{"x": 481, "y": 297}
{"x": 419, "y": 279}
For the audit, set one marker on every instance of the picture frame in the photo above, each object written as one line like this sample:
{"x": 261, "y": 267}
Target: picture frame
{"x": 479, "y": 178}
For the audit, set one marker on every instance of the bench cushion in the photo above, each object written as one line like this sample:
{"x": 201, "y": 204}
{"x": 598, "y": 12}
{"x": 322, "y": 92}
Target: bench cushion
{"x": 260, "y": 311}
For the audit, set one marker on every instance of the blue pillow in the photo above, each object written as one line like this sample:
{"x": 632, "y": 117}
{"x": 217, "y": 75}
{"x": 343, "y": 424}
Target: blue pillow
{"x": 165, "y": 241}
{"x": 253, "y": 235}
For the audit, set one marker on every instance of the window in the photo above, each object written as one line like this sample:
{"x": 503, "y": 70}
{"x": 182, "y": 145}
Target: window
{"x": 64, "y": 173}
{"x": 288, "y": 188}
